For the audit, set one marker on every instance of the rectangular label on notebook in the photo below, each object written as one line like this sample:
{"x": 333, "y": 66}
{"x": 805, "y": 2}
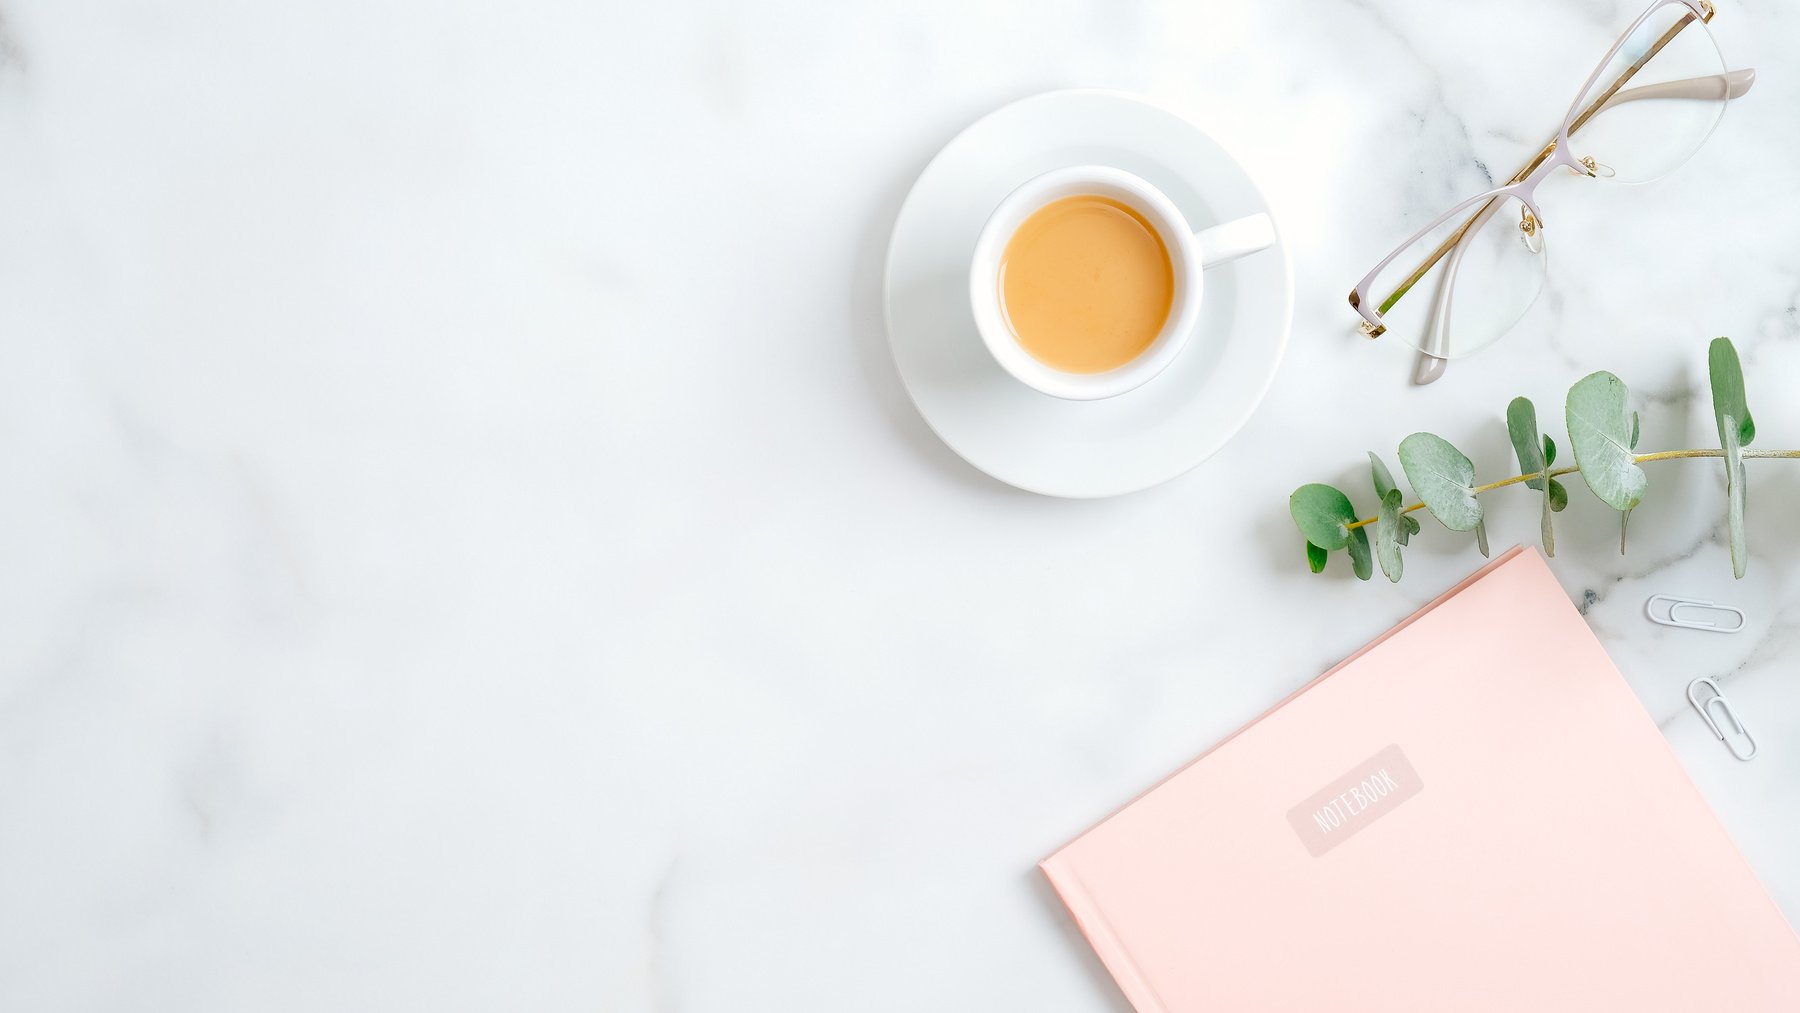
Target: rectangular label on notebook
{"x": 1364, "y": 794}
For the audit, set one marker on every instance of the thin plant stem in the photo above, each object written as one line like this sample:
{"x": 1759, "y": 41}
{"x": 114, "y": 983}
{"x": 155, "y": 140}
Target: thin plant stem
{"x": 1666, "y": 455}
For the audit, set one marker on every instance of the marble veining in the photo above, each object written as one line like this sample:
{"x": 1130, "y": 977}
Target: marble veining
{"x": 466, "y": 546}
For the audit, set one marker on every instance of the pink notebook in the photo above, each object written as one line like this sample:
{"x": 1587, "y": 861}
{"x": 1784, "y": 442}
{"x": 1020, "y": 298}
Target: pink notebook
{"x": 1471, "y": 813}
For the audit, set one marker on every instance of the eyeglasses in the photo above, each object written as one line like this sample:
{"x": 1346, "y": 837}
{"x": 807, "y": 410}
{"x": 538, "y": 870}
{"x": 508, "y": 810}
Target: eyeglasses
{"x": 1486, "y": 256}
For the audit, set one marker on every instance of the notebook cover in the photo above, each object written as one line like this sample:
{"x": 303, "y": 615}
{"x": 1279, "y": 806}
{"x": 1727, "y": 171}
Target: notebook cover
{"x": 1473, "y": 813}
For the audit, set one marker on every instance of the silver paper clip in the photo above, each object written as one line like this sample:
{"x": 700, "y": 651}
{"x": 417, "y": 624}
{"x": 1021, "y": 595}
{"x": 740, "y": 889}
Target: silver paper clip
{"x": 1717, "y": 702}
{"x": 1672, "y": 617}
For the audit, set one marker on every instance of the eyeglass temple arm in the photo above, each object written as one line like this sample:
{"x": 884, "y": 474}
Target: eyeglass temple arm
{"x": 1437, "y": 329}
{"x": 1729, "y": 85}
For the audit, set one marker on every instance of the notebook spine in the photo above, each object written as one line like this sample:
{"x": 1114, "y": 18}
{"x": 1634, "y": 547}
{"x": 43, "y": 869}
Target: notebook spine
{"x": 1100, "y": 935}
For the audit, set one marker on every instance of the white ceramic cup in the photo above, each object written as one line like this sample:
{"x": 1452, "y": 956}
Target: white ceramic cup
{"x": 1190, "y": 253}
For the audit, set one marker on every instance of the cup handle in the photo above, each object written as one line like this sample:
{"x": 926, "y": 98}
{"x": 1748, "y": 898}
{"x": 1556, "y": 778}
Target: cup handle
{"x": 1235, "y": 239}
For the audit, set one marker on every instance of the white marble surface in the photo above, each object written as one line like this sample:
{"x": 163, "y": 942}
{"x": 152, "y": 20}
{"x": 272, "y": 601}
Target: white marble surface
{"x": 465, "y": 545}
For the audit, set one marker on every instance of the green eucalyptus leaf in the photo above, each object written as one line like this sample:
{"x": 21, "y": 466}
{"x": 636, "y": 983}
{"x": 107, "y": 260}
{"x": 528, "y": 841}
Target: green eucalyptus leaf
{"x": 1634, "y": 430}
{"x": 1360, "y": 560}
{"x": 1316, "y": 557}
{"x": 1481, "y": 537}
{"x": 1547, "y": 530}
{"x": 1443, "y": 478}
{"x": 1559, "y": 496}
{"x": 1727, "y": 376}
{"x": 1389, "y": 536}
{"x": 1736, "y": 430}
{"x": 1734, "y": 495}
{"x": 1522, "y": 426}
{"x": 1384, "y": 481}
{"x": 1535, "y": 455}
{"x": 1322, "y": 513}
{"x": 1600, "y": 431}
{"x": 1384, "y": 486}
{"x": 1409, "y": 526}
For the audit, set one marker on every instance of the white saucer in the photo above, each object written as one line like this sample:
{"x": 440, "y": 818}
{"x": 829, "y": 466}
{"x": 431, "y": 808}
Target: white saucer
{"x": 1081, "y": 448}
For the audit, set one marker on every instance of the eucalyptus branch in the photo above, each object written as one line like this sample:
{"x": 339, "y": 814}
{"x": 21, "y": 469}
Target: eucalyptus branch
{"x": 1604, "y": 435}
{"x": 1664, "y": 455}
{"x": 1503, "y": 483}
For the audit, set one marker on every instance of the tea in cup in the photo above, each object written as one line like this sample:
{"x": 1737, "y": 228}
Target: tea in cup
{"x": 1087, "y": 281}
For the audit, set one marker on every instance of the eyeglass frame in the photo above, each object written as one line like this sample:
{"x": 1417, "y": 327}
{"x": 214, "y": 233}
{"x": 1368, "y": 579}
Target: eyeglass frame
{"x": 1524, "y": 183}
